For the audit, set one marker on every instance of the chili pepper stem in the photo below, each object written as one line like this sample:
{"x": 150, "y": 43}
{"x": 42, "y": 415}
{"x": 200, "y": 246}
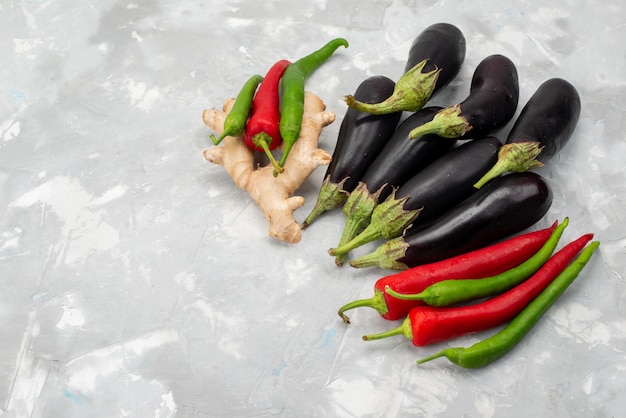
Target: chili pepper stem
{"x": 285, "y": 154}
{"x": 263, "y": 140}
{"x": 331, "y": 196}
{"x": 515, "y": 157}
{"x": 404, "y": 329}
{"x": 376, "y": 302}
{"x": 411, "y": 92}
{"x": 389, "y": 219}
{"x": 450, "y": 353}
{"x": 217, "y": 140}
{"x": 496, "y": 346}
{"x": 385, "y": 256}
{"x": 414, "y": 296}
{"x": 448, "y": 123}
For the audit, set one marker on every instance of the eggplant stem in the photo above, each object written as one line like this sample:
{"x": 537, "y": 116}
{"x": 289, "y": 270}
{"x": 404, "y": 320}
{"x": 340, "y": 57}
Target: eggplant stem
{"x": 411, "y": 92}
{"x": 447, "y": 123}
{"x": 358, "y": 212}
{"x": 331, "y": 196}
{"x": 388, "y": 220}
{"x": 369, "y": 234}
{"x": 514, "y": 157}
{"x": 385, "y": 256}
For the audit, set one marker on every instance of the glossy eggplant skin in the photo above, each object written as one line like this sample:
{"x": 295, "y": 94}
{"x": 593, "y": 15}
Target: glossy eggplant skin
{"x": 362, "y": 135}
{"x": 549, "y": 118}
{"x": 361, "y": 138}
{"x": 429, "y": 193}
{"x": 504, "y": 206}
{"x": 449, "y": 180}
{"x": 444, "y": 46}
{"x": 401, "y": 158}
{"x": 493, "y": 98}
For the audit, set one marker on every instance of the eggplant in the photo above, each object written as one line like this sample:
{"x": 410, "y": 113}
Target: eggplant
{"x": 505, "y": 206}
{"x": 491, "y": 104}
{"x": 360, "y": 139}
{"x": 442, "y": 46}
{"x": 544, "y": 126}
{"x": 397, "y": 162}
{"x": 435, "y": 58}
{"x": 430, "y": 193}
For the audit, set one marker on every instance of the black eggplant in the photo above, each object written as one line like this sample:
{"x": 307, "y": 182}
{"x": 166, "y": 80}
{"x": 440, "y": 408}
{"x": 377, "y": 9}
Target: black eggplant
{"x": 492, "y": 102}
{"x": 430, "y": 193}
{"x": 397, "y": 162}
{"x": 544, "y": 126}
{"x": 361, "y": 137}
{"x": 505, "y": 206}
{"x": 442, "y": 46}
{"x": 435, "y": 58}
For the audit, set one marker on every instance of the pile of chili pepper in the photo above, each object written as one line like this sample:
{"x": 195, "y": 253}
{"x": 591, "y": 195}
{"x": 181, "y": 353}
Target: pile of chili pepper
{"x": 514, "y": 282}
{"x": 268, "y": 110}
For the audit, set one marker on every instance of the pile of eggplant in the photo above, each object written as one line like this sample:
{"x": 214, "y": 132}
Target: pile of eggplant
{"x": 435, "y": 182}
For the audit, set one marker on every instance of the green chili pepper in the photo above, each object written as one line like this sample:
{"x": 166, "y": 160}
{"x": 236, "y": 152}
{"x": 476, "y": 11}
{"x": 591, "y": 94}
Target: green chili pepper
{"x": 235, "y": 122}
{"x": 496, "y": 346}
{"x": 449, "y": 292}
{"x": 292, "y": 99}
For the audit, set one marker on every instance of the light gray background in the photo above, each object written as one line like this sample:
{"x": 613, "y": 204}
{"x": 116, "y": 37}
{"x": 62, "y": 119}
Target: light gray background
{"x": 138, "y": 281}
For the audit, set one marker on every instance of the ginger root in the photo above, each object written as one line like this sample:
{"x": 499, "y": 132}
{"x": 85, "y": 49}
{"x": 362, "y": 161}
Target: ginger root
{"x": 273, "y": 194}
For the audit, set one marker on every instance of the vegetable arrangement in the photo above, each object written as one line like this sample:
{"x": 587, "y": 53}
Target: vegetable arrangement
{"x": 273, "y": 195}
{"x": 494, "y": 347}
{"x": 454, "y": 321}
{"x": 517, "y": 296}
{"x": 441, "y": 221}
{"x": 264, "y": 120}
{"x": 487, "y": 261}
{"x": 431, "y": 211}
{"x": 451, "y": 201}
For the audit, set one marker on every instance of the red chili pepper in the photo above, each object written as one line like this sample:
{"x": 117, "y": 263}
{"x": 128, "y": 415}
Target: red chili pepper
{"x": 427, "y": 324}
{"x": 485, "y": 262}
{"x": 262, "y": 130}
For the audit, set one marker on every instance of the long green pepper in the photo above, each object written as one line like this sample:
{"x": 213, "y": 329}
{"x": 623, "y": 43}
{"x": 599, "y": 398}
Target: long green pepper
{"x": 292, "y": 99}
{"x": 487, "y": 351}
{"x": 235, "y": 122}
{"x": 449, "y": 292}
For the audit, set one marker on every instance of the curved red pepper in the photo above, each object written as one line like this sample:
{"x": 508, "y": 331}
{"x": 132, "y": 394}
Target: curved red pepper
{"x": 485, "y": 262}
{"x": 427, "y": 324}
{"x": 262, "y": 130}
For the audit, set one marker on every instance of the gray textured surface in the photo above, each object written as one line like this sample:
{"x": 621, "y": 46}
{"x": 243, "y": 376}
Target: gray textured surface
{"x": 137, "y": 280}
